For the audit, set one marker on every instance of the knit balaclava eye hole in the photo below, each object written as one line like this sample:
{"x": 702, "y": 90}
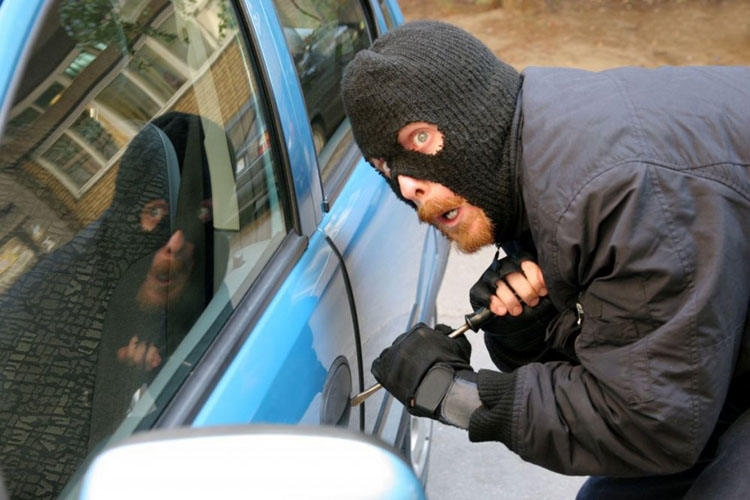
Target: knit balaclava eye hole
{"x": 437, "y": 73}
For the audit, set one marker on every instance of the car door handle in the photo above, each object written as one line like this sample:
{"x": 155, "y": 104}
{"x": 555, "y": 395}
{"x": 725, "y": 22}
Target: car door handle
{"x": 336, "y": 408}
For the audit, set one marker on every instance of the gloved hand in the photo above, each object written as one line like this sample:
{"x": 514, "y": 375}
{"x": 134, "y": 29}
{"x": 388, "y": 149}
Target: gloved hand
{"x": 509, "y": 283}
{"x": 512, "y": 340}
{"x": 420, "y": 365}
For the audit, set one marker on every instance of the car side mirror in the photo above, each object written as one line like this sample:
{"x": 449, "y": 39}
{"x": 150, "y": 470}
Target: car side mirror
{"x": 250, "y": 461}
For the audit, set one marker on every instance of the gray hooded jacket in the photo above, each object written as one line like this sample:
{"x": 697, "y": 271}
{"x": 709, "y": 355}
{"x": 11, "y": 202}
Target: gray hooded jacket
{"x": 636, "y": 188}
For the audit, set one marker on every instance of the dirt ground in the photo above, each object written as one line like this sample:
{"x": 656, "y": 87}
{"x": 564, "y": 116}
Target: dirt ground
{"x": 600, "y": 34}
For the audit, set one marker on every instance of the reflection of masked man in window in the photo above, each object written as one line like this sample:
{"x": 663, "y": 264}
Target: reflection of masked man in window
{"x": 55, "y": 320}
{"x": 162, "y": 294}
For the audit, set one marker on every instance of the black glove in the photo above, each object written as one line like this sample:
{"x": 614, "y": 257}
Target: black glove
{"x": 420, "y": 365}
{"x": 512, "y": 340}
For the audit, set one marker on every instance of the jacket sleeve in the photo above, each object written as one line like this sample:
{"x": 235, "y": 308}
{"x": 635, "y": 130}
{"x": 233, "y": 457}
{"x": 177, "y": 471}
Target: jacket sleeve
{"x": 653, "y": 257}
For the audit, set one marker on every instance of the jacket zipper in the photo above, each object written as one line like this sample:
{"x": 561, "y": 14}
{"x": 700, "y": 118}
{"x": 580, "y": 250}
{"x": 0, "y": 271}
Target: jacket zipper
{"x": 579, "y": 310}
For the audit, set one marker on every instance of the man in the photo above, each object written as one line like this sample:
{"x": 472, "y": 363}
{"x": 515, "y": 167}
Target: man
{"x": 161, "y": 295}
{"x": 631, "y": 190}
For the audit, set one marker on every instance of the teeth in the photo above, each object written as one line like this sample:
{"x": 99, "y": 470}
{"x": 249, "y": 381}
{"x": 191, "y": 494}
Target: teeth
{"x": 451, "y": 215}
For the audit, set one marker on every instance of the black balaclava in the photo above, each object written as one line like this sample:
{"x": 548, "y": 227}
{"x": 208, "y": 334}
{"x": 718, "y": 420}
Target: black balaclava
{"x": 437, "y": 73}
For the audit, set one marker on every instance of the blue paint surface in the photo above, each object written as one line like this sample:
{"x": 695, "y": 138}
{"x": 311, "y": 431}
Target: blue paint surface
{"x": 276, "y": 374}
{"x": 16, "y": 21}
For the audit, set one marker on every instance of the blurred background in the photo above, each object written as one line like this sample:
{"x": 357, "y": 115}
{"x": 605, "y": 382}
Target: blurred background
{"x": 588, "y": 34}
{"x": 599, "y": 34}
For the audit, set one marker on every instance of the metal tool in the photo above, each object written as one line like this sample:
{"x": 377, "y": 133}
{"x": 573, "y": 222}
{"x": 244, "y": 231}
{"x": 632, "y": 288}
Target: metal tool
{"x": 473, "y": 322}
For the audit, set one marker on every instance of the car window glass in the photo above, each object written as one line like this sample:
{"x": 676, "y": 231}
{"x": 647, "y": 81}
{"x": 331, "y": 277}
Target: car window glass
{"x": 140, "y": 195}
{"x": 323, "y": 36}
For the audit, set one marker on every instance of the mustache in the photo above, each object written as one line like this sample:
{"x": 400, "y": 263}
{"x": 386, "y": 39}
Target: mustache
{"x": 172, "y": 267}
{"x": 434, "y": 208}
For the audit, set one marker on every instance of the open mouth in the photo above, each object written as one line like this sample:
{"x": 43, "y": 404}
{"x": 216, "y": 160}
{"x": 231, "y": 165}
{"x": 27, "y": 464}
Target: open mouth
{"x": 450, "y": 217}
{"x": 166, "y": 272}
{"x": 443, "y": 211}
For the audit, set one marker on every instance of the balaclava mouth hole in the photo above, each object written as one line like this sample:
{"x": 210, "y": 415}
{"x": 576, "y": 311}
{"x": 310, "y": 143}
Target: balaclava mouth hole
{"x": 437, "y": 73}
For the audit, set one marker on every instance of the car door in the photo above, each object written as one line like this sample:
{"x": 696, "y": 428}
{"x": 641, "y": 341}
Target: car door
{"x": 161, "y": 258}
{"x": 394, "y": 264}
{"x": 356, "y": 211}
{"x": 298, "y": 363}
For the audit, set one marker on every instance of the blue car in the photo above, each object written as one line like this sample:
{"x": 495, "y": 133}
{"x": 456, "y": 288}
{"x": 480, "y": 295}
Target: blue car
{"x": 189, "y": 235}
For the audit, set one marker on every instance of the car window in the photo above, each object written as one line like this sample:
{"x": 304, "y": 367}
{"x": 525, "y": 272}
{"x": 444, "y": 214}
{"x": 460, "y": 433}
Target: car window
{"x": 323, "y": 36}
{"x": 140, "y": 195}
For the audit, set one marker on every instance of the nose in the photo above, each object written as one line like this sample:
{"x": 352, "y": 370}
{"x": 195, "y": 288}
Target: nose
{"x": 413, "y": 189}
{"x": 176, "y": 241}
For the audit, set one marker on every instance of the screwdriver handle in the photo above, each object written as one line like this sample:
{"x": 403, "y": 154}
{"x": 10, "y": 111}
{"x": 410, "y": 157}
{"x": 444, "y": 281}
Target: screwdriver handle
{"x": 476, "y": 319}
{"x": 472, "y": 322}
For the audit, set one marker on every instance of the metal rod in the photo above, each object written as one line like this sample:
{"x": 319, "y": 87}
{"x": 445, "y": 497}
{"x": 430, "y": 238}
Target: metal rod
{"x": 360, "y": 398}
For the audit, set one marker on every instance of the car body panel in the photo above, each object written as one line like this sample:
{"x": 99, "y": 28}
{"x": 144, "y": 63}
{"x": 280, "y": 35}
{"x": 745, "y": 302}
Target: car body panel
{"x": 395, "y": 11}
{"x": 357, "y": 223}
{"x": 395, "y": 281}
{"x": 18, "y": 18}
{"x": 279, "y": 372}
{"x": 379, "y": 19}
{"x": 363, "y": 225}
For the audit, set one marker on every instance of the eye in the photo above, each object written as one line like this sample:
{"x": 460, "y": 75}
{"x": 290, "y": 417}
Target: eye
{"x": 152, "y": 213}
{"x": 421, "y": 137}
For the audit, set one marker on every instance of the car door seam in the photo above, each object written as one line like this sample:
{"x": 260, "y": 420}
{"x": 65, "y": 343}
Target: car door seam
{"x": 355, "y": 321}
